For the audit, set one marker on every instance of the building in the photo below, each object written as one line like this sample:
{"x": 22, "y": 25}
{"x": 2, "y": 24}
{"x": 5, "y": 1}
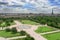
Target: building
{"x": 7, "y": 15}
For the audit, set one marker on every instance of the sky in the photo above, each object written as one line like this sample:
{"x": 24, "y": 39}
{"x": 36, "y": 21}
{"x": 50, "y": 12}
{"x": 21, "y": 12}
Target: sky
{"x": 29, "y": 6}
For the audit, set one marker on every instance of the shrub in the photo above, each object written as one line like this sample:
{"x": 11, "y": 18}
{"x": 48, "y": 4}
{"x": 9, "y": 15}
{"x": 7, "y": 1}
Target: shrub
{"x": 7, "y": 29}
{"x": 29, "y": 37}
{"x": 23, "y": 33}
{"x": 14, "y": 30}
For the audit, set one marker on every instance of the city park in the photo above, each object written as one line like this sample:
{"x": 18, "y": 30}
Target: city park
{"x": 30, "y": 28}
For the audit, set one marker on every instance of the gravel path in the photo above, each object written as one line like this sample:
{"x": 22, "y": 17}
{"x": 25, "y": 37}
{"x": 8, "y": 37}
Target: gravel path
{"x": 32, "y": 33}
{"x": 16, "y": 37}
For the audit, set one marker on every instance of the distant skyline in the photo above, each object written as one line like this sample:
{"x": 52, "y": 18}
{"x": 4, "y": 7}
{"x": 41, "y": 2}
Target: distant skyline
{"x": 29, "y": 6}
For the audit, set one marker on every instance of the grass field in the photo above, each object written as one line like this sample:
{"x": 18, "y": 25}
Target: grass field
{"x": 53, "y": 36}
{"x": 8, "y": 34}
{"x": 28, "y": 22}
{"x": 44, "y": 29}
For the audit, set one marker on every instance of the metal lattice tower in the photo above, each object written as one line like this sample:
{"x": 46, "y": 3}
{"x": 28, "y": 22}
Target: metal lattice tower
{"x": 52, "y": 12}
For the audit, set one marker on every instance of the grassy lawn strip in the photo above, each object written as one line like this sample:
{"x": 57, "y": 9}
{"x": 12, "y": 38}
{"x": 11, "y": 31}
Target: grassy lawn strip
{"x": 53, "y": 36}
{"x": 8, "y": 34}
{"x": 44, "y": 29}
{"x": 28, "y": 22}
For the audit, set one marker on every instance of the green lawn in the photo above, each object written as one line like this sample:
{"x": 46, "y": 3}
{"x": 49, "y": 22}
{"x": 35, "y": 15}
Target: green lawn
{"x": 54, "y": 36}
{"x": 44, "y": 29}
{"x": 28, "y": 22}
{"x": 8, "y": 34}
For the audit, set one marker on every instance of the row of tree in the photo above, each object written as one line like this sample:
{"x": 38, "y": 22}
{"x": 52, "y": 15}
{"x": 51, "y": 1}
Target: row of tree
{"x": 53, "y": 21}
{"x": 49, "y": 20}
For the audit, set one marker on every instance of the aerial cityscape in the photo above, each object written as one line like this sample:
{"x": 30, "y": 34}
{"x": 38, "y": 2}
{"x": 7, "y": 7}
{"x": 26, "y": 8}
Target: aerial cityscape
{"x": 29, "y": 19}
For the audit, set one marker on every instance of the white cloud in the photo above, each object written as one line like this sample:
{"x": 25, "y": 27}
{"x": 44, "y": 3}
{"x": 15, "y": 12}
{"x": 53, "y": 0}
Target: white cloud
{"x": 42, "y": 6}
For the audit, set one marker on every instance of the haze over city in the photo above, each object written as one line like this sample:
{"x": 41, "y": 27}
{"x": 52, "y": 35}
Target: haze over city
{"x": 29, "y": 6}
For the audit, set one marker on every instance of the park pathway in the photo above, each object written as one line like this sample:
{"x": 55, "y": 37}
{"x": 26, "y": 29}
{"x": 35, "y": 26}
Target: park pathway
{"x": 1, "y": 38}
{"x": 16, "y": 37}
{"x": 35, "y": 35}
{"x": 32, "y": 33}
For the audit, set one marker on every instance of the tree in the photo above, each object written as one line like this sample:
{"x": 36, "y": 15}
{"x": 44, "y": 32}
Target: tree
{"x": 14, "y": 30}
{"x": 52, "y": 24}
{"x": 7, "y": 24}
{"x": 43, "y": 21}
{"x": 7, "y": 29}
{"x": 23, "y": 33}
{"x": 29, "y": 37}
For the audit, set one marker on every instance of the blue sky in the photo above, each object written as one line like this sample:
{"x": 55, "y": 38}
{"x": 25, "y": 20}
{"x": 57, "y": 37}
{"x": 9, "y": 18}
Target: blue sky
{"x": 55, "y": 2}
{"x": 32, "y": 5}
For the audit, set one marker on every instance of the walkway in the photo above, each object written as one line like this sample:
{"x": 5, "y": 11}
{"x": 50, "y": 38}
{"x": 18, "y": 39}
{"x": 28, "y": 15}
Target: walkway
{"x": 1, "y": 38}
{"x": 16, "y": 37}
{"x": 35, "y": 35}
{"x": 32, "y": 33}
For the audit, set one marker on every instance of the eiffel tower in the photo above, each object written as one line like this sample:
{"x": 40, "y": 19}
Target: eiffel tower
{"x": 52, "y": 12}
